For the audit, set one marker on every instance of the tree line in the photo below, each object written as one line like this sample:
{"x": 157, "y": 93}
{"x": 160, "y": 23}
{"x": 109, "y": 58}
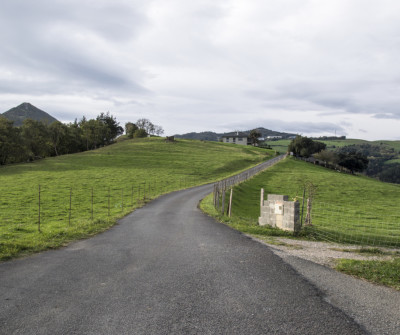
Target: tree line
{"x": 351, "y": 159}
{"x": 34, "y": 139}
{"x": 370, "y": 159}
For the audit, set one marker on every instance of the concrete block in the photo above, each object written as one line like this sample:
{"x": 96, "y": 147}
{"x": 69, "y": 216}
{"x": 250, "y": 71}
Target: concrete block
{"x": 277, "y": 211}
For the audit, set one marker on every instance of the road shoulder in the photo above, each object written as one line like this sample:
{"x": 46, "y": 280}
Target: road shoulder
{"x": 374, "y": 307}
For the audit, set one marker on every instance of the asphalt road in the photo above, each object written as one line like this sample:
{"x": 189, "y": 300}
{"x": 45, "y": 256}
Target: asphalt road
{"x": 165, "y": 269}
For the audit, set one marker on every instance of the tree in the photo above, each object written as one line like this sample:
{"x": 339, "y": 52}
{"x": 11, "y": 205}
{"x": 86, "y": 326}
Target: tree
{"x": 305, "y": 147}
{"x": 130, "y": 129}
{"x": 139, "y": 133}
{"x": 11, "y": 147}
{"x": 149, "y": 127}
{"x": 146, "y": 125}
{"x": 57, "y": 132}
{"x": 391, "y": 174}
{"x": 353, "y": 160}
{"x": 158, "y": 130}
{"x": 109, "y": 129}
{"x": 73, "y": 141}
{"x": 87, "y": 132}
{"x": 327, "y": 156}
{"x": 254, "y": 136}
{"x": 36, "y": 138}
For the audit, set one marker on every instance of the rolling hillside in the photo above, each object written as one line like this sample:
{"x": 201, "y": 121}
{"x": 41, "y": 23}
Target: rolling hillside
{"x": 74, "y": 196}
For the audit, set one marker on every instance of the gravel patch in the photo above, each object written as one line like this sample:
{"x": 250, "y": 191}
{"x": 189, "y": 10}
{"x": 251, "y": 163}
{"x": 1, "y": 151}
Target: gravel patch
{"x": 323, "y": 253}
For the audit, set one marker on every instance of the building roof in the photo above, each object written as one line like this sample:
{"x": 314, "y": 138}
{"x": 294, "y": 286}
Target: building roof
{"x": 235, "y": 134}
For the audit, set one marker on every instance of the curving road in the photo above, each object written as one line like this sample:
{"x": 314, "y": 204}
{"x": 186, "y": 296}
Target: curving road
{"x": 164, "y": 269}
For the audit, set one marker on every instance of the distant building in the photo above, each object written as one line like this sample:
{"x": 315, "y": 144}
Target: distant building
{"x": 236, "y": 137}
{"x": 274, "y": 137}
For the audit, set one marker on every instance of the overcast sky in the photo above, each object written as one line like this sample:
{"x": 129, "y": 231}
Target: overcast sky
{"x": 313, "y": 67}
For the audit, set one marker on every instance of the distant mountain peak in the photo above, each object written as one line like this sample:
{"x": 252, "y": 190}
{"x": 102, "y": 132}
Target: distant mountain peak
{"x": 26, "y": 105}
{"x": 27, "y": 111}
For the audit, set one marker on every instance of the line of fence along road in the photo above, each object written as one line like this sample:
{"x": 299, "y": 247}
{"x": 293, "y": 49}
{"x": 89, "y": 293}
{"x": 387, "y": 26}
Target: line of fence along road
{"x": 221, "y": 187}
{"x": 66, "y": 206}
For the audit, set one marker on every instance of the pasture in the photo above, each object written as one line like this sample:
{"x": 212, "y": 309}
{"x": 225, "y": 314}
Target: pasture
{"x": 346, "y": 208}
{"x": 75, "y": 196}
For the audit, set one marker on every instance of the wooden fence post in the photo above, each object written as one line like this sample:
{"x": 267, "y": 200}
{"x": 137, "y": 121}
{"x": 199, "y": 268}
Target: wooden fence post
{"x": 39, "y": 211}
{"x": 218, "y": 196}
{"x": 122, "y": 200}
{"x": 261, "y": 201}
{"x": 109, "y": 201}
{"x": 70, "y": 206}
{"x": 223, "y": 201}
{"x": 92, "y": 204}
{"x": 230, "y": 203}
{"x": 302, "y": 208}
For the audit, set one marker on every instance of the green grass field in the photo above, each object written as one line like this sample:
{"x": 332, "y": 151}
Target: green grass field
{"x": 346, "y": 208}
{"x": 82, "y": 194}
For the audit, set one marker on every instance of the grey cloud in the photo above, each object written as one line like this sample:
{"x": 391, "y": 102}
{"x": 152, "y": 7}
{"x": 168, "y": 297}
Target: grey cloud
{"x": 389, "y": 116}
{"x": 110, "y": 20}
{"x": 40, "y": 42}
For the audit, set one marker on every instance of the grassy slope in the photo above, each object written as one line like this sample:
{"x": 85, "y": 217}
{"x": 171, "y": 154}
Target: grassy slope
{"x": 117, "y": 174}
{"x": 341, "y": 190}
{"x": 346, "y": 208}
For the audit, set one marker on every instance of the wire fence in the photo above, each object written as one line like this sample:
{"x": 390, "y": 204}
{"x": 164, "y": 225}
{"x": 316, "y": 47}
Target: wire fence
{"x": 33, "y": 208}
{"x": 221, "y": 187}
{"x": 334, "y": 223}
{"x": 368, "y": 224}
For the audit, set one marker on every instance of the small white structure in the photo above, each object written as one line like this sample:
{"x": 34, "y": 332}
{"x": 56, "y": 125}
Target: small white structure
{"x": 278, "y": 212}
{"x": 236, "y": 137}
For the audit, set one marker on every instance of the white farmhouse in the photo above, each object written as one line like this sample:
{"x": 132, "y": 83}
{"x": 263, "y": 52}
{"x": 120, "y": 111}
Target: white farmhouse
{"x": 236, "y": 137}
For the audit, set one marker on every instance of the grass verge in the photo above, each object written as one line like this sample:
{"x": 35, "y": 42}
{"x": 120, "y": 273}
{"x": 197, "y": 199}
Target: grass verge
{"x": 380, "y": 272}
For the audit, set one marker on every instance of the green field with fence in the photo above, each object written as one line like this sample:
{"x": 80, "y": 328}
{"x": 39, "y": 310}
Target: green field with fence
{"x": 345, "y": 208}
{"x": 50, "y": 202}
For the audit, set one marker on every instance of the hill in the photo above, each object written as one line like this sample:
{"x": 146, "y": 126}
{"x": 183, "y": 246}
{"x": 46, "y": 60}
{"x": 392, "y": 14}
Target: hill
{"x": 78, "y": 195}
{"x": 27, "y": 111}
{"x": 212, "y": 136}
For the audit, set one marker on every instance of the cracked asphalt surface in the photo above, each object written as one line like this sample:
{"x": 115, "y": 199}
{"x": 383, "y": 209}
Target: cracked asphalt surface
{"x": 165, "y": 269}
